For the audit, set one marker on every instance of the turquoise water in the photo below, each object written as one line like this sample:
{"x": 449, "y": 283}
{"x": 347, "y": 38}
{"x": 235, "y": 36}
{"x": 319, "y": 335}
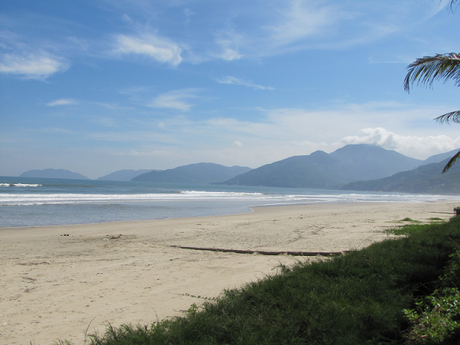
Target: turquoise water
{"x": 37, "y": 202}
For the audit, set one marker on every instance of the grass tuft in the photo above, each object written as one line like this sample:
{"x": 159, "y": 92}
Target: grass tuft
{"x": 407, "y": 219}
{"x": 436, "y": 219}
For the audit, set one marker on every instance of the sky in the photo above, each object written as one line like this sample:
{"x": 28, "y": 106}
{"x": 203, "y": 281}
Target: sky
{"x": 96, "y": 86}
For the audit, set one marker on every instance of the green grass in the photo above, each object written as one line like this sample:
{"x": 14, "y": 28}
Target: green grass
{"x": 436, "y": 219}
{"x": 407, "y": 229}
{"x": 414, "y": 226}
{"x": 358, "y": 298}
{"x": 407, "y": 219}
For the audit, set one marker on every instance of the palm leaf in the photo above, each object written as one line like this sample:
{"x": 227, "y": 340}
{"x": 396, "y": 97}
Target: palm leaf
{"x": 451, "y": 162}
{"x": 430, "y": 68}
{"x": 453, "y": 116}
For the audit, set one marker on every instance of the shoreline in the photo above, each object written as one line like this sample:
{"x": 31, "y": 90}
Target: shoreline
{"x": 252, "y": 209}
{"x": 57, "y": 286}
{"x": 62, "y": 210}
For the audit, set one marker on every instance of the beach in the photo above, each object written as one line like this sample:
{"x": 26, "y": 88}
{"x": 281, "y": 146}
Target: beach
{"x": 58, "y": 282}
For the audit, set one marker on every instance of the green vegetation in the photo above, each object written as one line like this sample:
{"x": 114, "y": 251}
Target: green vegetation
{"x": 407, "y": 229}
{"x": 436, "y": 219}
{"x": 413, "y": 226}
{"x": 407, "y": 219}
{"x": 437, "y": 316}
{"x": 399, "y": 291}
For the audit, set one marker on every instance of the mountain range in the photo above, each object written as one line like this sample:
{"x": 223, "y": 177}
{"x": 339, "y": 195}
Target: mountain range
{"x": 352, "y": 167}
{"x": 329, "y": 171}
{"x": 193, "y": 173}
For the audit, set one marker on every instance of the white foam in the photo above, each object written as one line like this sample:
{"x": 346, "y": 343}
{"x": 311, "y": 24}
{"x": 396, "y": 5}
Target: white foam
{"x": 20, "y": 185}
{"x": 250, "y": 198}
{"x": 68, "y": 198}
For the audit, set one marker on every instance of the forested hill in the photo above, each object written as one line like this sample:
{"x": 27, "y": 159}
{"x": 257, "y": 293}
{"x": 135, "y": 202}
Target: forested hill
{"x": 426, "y": 179}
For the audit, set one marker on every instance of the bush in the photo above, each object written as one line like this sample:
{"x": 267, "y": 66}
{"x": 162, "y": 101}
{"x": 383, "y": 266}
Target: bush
{"x": 436, "y": 319}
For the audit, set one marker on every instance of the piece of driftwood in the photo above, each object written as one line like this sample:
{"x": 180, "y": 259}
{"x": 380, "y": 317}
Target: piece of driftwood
{"x": 261, "y": 252}
{"x": 33, "y": 263}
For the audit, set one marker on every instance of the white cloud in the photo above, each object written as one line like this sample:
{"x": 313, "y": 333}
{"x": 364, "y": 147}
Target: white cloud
{"x": 126, "y": 18}
{"x": 229, "y": 49}
{"x": 414, "y": 146}
{"x": 230, "y": 54}
{"x": 188, "y": 14}
{"x": 237, "y": 81}
{"x": 31, "y": 66}
{"x": 301, "y": 19}
{"x": 62, "y": 102}
{"x": 299, "y": 131}
{"x": 173, "y": 100}
{"x": 238, "y": 143}
{"x": 153, "y": 46}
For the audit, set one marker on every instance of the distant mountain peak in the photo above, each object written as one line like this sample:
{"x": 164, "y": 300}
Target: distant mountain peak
{"x": 54, "y": 173}
{"x": 193, "y": 173}
{"x": 318, "y": 153}
{"x": 123, "y": 175}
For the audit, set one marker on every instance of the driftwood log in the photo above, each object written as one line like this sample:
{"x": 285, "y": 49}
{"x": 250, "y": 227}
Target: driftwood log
{"x": 262, "y": 252}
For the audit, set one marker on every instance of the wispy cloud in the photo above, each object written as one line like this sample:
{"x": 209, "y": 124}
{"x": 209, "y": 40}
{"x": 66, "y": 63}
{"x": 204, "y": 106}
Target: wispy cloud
{"x": 294, "y": 25}
{"x": 237, "y": 81}
{"x": 176, "y": 99}
{"x": 173, "y": 100}
{"x": 302, "y": 19}
{"x": 150, "y": 45}
{"x": 439, "y": 6}
{"x": 31, "y": 65}
{"x": 62, "y": 101}
{"x": 229, "y": 49}
{"x": 284, "y": 26}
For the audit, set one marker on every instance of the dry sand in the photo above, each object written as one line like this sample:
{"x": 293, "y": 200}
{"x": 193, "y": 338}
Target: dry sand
{"x": 56, "y": 287}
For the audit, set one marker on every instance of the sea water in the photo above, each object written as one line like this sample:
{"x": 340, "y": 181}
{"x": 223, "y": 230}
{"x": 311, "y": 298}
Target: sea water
{"x": 39, "y": 201}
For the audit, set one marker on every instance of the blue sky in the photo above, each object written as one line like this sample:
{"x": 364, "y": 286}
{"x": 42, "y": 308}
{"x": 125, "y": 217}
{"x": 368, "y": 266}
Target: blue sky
{"x": 98, "y": 86}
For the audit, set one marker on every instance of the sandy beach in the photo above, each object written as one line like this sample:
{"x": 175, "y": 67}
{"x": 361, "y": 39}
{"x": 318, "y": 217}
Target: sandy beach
{"x": 59, "y": 281}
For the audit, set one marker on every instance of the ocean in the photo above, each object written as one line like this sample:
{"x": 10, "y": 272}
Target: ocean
{"x": 39, "y": 202}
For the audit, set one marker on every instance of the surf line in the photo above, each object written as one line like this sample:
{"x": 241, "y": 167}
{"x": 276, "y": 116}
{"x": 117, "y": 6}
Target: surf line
{"x": 262, "y": 252}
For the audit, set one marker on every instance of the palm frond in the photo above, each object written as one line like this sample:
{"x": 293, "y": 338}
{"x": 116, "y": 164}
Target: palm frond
{"x": 451, "y": 5}
{"x": 430, "y": 68}
{"x": 453, "y": 116}
{"x": 451, "y": 162}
